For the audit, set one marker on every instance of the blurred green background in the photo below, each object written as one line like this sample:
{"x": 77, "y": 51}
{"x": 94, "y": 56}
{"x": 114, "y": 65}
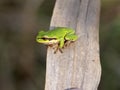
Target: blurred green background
{"x": 22, "y": 60}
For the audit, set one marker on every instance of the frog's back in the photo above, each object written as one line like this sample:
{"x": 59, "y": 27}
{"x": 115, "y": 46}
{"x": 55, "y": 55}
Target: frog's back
{"x": 59, "y": 31}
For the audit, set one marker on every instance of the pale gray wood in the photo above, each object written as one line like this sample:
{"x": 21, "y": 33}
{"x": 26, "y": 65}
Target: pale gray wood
{"x": 78, "y": 67}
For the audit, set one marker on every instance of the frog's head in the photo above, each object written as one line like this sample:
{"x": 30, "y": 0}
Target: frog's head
{"x": 42, "y": 37}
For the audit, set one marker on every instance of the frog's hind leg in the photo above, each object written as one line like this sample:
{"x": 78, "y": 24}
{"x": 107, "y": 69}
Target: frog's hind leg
{"x": 67, "y": 43}
{"x": 69, "y": 38}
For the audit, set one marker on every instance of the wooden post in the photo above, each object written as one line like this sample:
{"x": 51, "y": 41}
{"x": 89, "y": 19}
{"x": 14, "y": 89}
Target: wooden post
{"x": 79, "y": 64}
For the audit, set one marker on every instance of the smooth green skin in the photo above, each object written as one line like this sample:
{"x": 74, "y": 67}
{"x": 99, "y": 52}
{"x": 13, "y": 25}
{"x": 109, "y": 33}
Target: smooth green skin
{"x": 57, "y": 35}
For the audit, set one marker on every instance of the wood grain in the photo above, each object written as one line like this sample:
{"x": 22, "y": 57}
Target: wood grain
{"x": 79, "y": 64}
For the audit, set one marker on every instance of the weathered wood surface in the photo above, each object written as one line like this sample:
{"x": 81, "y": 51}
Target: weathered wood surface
{"x": 79, "y": 64}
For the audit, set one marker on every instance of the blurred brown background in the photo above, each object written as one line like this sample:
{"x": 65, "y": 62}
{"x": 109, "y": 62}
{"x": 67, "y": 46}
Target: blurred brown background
{"x": 22, "y": 60}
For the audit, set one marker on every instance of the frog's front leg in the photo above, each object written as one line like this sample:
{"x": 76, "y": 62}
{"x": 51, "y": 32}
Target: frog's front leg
{"x": 58, "y": 46}
{"x": 61, "y": 43}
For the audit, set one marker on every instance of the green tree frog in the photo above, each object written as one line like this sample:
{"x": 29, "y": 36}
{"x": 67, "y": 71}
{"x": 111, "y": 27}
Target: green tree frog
{"x": 58, "y": 36}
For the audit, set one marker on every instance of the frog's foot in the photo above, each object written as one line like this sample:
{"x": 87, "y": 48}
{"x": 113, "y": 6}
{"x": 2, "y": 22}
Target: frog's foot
{"x": 67, "y": 43}
{"x": 57, "y": 50}
{"x": 55, "y": 47}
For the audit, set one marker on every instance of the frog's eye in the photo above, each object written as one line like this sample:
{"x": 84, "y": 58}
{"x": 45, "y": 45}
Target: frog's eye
{"x": 51, "y": 38}
{"x": 44, "y": 38}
